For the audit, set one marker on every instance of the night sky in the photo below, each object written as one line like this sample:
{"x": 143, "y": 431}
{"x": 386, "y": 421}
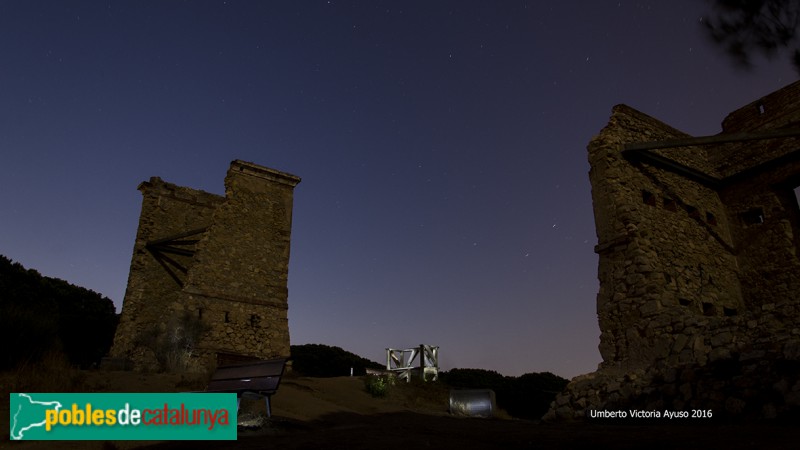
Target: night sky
{"x": 442, "y": 145}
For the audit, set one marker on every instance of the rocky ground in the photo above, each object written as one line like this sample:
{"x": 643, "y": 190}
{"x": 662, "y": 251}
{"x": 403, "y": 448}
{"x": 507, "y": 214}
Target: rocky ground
{"x": 337, "y": 413}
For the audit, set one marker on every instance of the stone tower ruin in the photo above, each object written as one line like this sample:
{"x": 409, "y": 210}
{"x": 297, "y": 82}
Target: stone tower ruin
{"x": 208, "y": 278}
{"x": 698, "y": 244}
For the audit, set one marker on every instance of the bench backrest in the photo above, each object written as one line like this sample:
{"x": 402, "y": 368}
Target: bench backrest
{"x": 258, "y": 376}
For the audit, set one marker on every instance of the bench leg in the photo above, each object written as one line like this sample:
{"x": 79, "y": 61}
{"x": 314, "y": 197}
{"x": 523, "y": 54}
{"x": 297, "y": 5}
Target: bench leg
{"x": 266, "y": 397}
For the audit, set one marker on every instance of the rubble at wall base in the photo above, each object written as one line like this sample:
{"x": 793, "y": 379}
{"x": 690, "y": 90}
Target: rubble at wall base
{"x": 764, "y": 385}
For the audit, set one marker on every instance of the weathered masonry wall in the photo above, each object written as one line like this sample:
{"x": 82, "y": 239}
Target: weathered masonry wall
{"x": 208, "y": 279}
{"x": 699, "y": 272}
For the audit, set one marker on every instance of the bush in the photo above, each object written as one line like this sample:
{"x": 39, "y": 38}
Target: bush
{"x": 174, "y": 347}
{"x": 52, "y": 372}
{"x": 529, "y": 395}
{"x": 378, "y": 386}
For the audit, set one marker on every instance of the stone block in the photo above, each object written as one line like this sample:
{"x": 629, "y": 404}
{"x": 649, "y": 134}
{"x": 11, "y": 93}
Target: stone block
{"x": 718, "y": 354}
{"x": 649, "y": 308}
{"x": 721, "y": 339}
{"x": 680, "y": 342}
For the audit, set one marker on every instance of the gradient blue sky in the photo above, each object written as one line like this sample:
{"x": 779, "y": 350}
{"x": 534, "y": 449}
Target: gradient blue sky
{"x": 442, "y": 145}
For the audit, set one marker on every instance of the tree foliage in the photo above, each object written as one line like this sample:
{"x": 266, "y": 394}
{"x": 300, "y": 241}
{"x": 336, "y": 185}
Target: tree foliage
{"x": 475, "y": 379}
{"x": 746, "y": 27}
{"x": 42, "y": 314}
{"x": 317, "y": 360}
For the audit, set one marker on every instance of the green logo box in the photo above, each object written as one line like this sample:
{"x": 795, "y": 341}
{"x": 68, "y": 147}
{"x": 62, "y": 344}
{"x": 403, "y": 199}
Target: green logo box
{"x": 123, "y": 416}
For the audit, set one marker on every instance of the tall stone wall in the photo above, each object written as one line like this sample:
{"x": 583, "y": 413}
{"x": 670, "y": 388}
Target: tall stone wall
{"x": 208, "y": 279}
{"x": 662, "y": 245}
{"x": 699, "y": 273}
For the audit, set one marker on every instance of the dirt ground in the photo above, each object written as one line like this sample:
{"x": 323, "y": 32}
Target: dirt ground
{"x": 337, "y": 413}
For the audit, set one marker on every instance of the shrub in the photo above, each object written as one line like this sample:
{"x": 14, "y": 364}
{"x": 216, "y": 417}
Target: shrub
{"x": 378, "y": 386}
{"x": 52, "y": 372}
{"x": 529, "y": 395}
{"x": 174, "y": 347}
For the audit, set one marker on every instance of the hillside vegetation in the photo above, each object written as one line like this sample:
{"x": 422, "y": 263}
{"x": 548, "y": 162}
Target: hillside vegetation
{"x": 41, "y": 315}
{"x": 318, "y": 360}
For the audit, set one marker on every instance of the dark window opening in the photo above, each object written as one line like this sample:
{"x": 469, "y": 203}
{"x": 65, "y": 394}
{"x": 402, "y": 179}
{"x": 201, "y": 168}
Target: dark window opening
{"x": 729, "y": 311}
{"x": 670, "y": 205}
{"x": 711, "y": 218}
{"x": 668, "y": 278}
{"x": 227, "y": 317}
{"x": 709, "y": 309}
{"x": 693, "y": 212}
{"x": 199, "y": 313}
{"x": 648, "y": 198}
{"x": 684, "y": 301}
{"x": 753, "y": 216}
{"x": 254, "y": 320}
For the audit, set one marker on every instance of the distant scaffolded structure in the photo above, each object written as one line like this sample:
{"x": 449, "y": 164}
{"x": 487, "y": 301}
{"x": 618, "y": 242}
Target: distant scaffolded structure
{"x": 401, "y": 362}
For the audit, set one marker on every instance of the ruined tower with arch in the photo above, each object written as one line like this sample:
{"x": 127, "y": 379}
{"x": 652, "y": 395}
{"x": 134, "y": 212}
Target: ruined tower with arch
{"x": 208, "y": 277}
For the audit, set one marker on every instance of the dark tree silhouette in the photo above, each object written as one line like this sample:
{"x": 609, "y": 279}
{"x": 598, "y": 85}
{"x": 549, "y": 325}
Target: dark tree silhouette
{"x": 318, "y": 360}
{"x": 41, "y": 314}
{"x": 746, "y": 27}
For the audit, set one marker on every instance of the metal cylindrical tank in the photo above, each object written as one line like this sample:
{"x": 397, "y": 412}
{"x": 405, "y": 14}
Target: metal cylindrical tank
{"x": 472, "y": 402}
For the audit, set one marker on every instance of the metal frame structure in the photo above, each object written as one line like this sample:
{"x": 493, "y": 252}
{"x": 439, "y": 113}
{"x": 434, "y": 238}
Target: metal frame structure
{"x": 401, "y": 362}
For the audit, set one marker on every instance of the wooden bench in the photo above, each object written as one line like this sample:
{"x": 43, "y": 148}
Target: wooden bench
{"x": 254, "y": 379}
